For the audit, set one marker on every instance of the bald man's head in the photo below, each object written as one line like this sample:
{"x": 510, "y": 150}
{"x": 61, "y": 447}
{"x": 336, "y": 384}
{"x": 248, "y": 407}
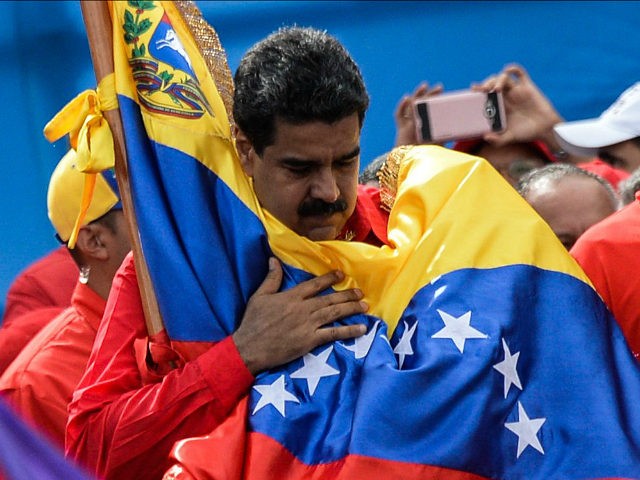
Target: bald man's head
{"x": 568, "y": 198}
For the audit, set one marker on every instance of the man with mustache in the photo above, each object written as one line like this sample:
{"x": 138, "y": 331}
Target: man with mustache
{"x": 299, "y": 105}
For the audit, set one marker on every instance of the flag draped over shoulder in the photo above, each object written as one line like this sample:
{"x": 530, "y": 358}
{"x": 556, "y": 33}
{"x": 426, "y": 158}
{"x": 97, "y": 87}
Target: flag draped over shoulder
{"x": 488, "y": 354}
{"x": 25, "y": 454}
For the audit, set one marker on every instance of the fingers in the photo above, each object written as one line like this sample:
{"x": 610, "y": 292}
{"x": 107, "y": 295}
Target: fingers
{"x": 403, "y": 110}
{"x": 326, "y": 309}
{"x": 339, "y": 305}
{"x": 273, "y": 280}
{"x": 509, "y": 77}
{"x": 339, "y": 311}
{"x": 335, "y": 298}
{"x": 424, "y": 91}
{"x": 311, "y": 288}
{"x": 436, "y": 90}
{"x": 323, "y": 309}
{"x": 421, "y": 90}
{"x": 498, "y": 83}
{"x": 517, "y": 71}
{"x": 335, "y": 333}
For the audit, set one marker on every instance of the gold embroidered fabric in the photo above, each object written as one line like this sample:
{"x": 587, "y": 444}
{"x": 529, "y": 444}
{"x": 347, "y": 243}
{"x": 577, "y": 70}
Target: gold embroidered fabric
{"x": 214, "y": 55}
{"x": 388, "y": 177}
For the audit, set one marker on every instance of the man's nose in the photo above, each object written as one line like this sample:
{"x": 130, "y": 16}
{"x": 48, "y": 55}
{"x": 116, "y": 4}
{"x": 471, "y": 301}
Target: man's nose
{"x": 325, "y": 187}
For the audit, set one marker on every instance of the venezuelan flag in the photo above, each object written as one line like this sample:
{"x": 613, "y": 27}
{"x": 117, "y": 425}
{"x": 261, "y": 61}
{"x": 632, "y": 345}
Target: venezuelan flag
{"x": 488, "y": 353}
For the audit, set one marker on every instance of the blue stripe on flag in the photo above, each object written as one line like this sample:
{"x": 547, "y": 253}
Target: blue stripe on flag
{"x": 446, "y": 406}
{"x": 178, "y": 201}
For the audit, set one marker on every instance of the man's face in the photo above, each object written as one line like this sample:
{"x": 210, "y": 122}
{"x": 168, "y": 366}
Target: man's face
{"x": 570, "y": 206}
{"x": 623, "y": 155}
{"x": 308, "y": 177}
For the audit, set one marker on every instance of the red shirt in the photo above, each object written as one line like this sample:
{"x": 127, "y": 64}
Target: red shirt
{"x": 368, "y": 223}
{"x": 21, "y": 330}
{"x": 48, "y": 282}
{"x": 40, "y": 381}
{"x": 123, "y": 426}
{"x": 36, "y": 296}
{"x": 609, "y": 253}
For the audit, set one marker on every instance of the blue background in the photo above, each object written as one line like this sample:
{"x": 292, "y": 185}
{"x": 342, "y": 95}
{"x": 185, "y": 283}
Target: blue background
{"x": 581, "y": 54}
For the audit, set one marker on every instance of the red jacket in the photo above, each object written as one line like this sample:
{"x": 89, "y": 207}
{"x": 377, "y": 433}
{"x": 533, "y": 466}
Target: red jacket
{"x": 40, "y": 381}
{"x": 609, "y": 254}
{"x": 122, "y": 425}
{"x": 39, "y": 293}
{"x": 47, "y": 282}
{"x": 14, "y": 336}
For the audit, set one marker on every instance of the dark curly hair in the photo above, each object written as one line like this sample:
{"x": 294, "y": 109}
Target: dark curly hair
{"x": 298, "y": 75}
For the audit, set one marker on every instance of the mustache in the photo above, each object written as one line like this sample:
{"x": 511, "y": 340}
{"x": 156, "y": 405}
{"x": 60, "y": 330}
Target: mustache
{"x": 319, "y": 207}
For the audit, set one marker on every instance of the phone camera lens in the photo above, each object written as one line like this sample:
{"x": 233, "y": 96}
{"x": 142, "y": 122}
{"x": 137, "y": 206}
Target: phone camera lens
{"x": 489, "y": 110}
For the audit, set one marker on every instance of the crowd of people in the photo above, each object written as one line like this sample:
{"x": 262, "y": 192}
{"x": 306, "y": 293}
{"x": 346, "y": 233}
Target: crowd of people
{"x": 576, "y": 175}
{"x": 75, "y": 359}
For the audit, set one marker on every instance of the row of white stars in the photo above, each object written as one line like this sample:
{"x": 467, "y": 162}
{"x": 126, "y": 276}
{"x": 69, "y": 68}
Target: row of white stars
{"x": 456, "y": 329}
{"x": 459, "y": 329}
{"x": 314, "y": 368}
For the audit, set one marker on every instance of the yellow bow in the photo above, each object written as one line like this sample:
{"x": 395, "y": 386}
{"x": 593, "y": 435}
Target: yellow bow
{"x": 89, "y": 135}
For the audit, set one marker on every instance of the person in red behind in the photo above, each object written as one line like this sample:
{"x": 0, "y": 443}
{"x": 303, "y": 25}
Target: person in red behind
{"x": 47, "y": 282}
{"x": 608, "y": 253}
{"x": 39, "y": 293}
{"x": 40, "y": 380}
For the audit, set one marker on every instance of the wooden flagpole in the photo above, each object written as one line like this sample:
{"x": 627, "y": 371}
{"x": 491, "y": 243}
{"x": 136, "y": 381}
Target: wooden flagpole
{"x": 97, "y": 20}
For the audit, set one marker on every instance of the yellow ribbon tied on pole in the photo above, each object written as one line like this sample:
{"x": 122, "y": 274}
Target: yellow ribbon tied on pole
{"x": 89, "y": 135}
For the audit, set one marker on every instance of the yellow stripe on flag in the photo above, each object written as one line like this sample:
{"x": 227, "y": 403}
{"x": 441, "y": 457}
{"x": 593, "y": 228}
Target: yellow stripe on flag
{"x": 434, "y": 217}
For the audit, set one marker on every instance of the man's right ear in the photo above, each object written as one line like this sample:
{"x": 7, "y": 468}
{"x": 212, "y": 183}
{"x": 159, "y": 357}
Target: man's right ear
{"x": 245, "y": 151}
{"x": 90, "y": 242}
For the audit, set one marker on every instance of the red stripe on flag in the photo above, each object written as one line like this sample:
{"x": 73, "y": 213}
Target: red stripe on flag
{"x": 221, "y": 454}
{"x": 267, "y": 459}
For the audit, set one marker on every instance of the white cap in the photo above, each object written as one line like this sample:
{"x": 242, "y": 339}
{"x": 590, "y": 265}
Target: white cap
{"x": 618, "y": 123}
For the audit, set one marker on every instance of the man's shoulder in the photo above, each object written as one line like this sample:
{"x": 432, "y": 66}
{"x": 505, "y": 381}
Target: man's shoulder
{"x": 28, "y": 360}
{"x": 49, "y": 334}
{"x": 58, "y": 260}
{"x": 48, "y": 281}
{"x": 370, "y": 217}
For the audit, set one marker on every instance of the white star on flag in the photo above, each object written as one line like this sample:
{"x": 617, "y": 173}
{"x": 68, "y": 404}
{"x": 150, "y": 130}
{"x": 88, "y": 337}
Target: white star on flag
{"x": 403, "y": 347}
{"x": 315, "y": 367}
{"x": 275, "y": 395}
{"x": 507, "y": 367}
{"x": 527, "y": 430}
{"x": 457, "y": 329}
{"x": 362, "y": 344}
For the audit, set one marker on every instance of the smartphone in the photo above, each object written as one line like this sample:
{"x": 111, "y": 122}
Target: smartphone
{"x": 458, "y": 115}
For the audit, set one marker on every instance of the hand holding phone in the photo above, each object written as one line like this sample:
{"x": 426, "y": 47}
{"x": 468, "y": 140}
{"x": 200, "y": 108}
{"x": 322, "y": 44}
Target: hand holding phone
{"x": 459, "y": 115}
